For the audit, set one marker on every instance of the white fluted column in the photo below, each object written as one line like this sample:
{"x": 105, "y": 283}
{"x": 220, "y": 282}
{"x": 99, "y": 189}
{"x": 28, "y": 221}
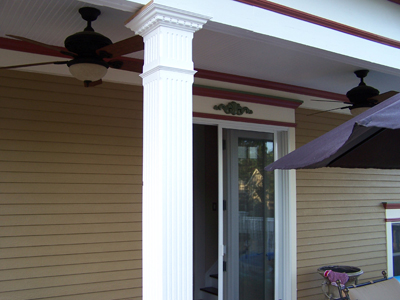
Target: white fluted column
{"x": 167, "y": 150}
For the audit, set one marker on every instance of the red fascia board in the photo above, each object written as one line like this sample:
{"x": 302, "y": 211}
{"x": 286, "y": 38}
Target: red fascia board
{"x": 240, "y": 119}
{"x": 301, "y": 15}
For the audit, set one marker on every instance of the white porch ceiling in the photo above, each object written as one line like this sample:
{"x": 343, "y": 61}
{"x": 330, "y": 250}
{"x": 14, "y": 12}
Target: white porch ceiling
{"x": 216, "y": 47}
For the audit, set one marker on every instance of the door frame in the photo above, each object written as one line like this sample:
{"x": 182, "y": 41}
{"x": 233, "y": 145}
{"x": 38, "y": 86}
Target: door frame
{"x": 285, "y": 206}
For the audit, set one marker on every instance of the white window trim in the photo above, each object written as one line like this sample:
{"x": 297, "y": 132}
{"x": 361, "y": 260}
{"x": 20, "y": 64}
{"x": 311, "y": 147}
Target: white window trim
{"x": 392, "y": 215}
{"x": 285, "y": 226}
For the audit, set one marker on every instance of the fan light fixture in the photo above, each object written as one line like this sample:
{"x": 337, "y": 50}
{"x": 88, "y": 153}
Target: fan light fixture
{"x": 88, "y": 71}
{"x": 88, "y": 66}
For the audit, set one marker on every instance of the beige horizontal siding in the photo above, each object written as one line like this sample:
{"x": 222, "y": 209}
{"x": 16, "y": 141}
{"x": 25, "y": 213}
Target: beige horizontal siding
{"x": 70, "y": 189}
{"x": 340, "y": 218}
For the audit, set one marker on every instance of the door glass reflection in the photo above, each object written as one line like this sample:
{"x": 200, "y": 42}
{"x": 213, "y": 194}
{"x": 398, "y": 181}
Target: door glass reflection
{"x": 256, "y": 219}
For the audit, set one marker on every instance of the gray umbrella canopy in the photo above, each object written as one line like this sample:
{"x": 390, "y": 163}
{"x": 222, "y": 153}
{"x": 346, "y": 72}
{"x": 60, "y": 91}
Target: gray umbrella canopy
{"x": 370, "y": 140}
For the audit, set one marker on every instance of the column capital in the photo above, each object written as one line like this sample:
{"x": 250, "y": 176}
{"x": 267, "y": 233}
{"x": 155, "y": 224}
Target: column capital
{"x": 155, "y": 15}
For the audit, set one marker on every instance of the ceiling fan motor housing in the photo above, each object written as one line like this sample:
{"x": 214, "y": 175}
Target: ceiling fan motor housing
{"x": 361, "y": 94}
{"x": 87, "y": 65}
{"x": 86, "y": 43}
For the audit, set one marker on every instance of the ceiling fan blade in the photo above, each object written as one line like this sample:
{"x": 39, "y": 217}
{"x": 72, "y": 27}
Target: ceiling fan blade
{"x": 322, "y": 100}
{"x": 42, "y": 45}
{"x": 34, "y": 64}
{"x": 129, "y": 45}
{"x": 383, "y": 96}
{"x": 131, "y": 65}
{"x": 322, "y": 111}
{"x": 332, "y": 101}
{"x": 92, "y": 83}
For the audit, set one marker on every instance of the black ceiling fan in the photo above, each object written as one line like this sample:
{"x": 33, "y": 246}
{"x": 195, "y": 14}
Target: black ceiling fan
{"x": 92, "y": 53}
{"x": 362, "y": 96}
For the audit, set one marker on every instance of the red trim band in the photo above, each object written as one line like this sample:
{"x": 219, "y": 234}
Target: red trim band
{"x": 212, "y": 75}
{"x": 301, "y": 15}
{"x": 245, "y": 97}
{"x": 392, "y": 220}
{"x": 239, "y": 119}
{"x": 391, "y": 205}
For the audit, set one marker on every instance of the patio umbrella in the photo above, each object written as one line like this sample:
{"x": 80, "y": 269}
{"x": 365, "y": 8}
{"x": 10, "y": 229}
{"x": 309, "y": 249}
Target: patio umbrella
{"x": 369, "y": 140}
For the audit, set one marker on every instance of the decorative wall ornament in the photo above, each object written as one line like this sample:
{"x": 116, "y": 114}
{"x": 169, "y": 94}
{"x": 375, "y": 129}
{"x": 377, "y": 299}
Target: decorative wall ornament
{"x": 233, "y": 108}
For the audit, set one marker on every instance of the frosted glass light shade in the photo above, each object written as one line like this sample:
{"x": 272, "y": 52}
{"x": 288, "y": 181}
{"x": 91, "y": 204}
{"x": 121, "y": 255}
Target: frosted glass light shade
{"x": 88, "y": 71}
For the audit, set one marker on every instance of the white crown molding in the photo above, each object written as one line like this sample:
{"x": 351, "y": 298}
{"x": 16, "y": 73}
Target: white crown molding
{"x": 155, "y": 15}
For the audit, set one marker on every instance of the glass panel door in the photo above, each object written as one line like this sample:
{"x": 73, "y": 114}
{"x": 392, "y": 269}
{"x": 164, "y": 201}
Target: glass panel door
{"x": 252, "y": 241}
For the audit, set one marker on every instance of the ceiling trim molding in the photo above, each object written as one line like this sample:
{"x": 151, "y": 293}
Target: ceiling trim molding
{"x": 137, "y": 64}
{"x": 301, "y": 15}
{"x": 240, "y": 119}
{"x": 230, "y": 78}
{"x": 244, "y": 97}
